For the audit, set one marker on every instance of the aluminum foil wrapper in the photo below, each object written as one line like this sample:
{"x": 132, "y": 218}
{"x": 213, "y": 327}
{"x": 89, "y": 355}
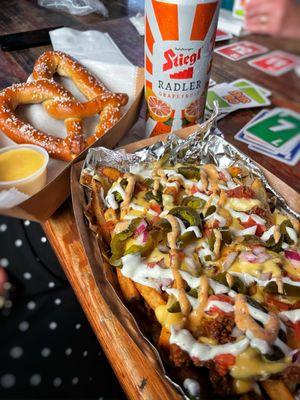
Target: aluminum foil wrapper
{"x": 205, "y": 145}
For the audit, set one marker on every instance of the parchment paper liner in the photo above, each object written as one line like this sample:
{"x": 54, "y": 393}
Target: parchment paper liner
{"x": 207, "y": 145}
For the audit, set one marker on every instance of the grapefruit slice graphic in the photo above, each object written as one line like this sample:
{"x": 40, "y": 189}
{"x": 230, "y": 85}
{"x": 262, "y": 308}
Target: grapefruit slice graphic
{"x": 193, "y": 111}
{"x": 158, "y": 109}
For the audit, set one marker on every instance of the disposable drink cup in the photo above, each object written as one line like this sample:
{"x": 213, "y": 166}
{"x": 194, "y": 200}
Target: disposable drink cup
{"x": 179, "y": 42}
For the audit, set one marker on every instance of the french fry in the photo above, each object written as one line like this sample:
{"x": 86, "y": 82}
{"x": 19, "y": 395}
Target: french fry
{"x": 277, "y": 390}
{"x": 111, "y": 173}
{"x": 97, "y": 208}
{"x": 164, "y": 338}
{"x": 151, "y": 296}
{"x": 127, "y": 286}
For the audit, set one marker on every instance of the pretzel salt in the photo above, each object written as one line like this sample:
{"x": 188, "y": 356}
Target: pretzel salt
{"x": 60, "y": 104}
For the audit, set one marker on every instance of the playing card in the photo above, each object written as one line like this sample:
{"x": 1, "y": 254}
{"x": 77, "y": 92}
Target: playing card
{"x": 231, "y": 98}
{"x": 244, "y": 83}
{"x": 222, "y": 35}
{"x": 239, "y": 9}
{"x": 275, "y": 63}
{"x": 279, "y": 128}
{"x": 291, "y": 158}
{"x": 240, "y": 50}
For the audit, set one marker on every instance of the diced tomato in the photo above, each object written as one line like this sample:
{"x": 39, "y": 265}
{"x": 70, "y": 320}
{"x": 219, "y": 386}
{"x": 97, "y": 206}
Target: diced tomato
{"x": 155, "y": 207}
{"x": 221, "y": 297}
{"x": 109, "y": 226}
{"x": 194, "y": 189}
{"x": 223, "y": 362}
{"x": 271, "y": 300}
{"x": 260, "y": 229}
{"x": 151, "y": 264}
{"x": 296, "y": 328}
{"x": 241, "y": 192}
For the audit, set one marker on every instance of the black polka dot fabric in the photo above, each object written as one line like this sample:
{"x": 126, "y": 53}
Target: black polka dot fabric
{"x": 48, "y": 350}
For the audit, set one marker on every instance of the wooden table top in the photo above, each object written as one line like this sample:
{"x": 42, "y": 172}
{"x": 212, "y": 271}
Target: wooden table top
{"x": 22, "y": 15}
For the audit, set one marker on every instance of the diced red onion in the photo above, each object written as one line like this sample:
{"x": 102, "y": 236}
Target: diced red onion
{"x": 295, "y": 356}
{"x": 253, "y": 258}
{"x": 145, "y": 236}
{"x": 292, "y": 255}
{"x": 166, "y": 282}
{"x": 141, "y": 228}
{"x": 258, "y": 250}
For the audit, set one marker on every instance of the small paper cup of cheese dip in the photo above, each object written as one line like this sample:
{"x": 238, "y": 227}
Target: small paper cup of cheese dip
{"x": 24, "y": 167}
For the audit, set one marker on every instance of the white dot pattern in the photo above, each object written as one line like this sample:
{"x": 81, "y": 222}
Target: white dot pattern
{"x": 3, "y": 227}
{"x": 75, "y": 380}
{"x": 35, "y": 379}
{"x": 46, "y": 352}
{"x": 51, "y": 284}
{"x": 31, "y": 305}
{"x": 27, "y": 223}
{"x": 7, "y": 381}
{"x": 23, "y": 326}
{"x": 68, "y": 351}
{"x": 27, "y": 275}
{"x": 4, "y": 262}
{"x": 43, "y": 239}
{"x": 57, "y": 382}
{"x": 57, "y": 302}
{"x": 18, "y": 243}
{"x": 16, "y": 352}
{"x": 52, "y": 325}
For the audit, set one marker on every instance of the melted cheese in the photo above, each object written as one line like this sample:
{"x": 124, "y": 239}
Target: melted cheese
{"x": 20, "y": 163}
{"x": 167, "y": 319}
{"x": 256, "y": 269}
{"x": 243, "y": 204}
{"x": 249, "y": 364}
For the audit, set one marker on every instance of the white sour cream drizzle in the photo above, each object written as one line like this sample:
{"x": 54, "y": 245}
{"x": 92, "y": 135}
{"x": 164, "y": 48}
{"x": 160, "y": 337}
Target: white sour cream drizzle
{"x": 248, "y": 279}
{"x": 184, "y": 339}
{"x": 183, "y": 229}
{"x": 291, "y": 315}
{"x": 192, "y": 386}
{"x": 110, "y": 200}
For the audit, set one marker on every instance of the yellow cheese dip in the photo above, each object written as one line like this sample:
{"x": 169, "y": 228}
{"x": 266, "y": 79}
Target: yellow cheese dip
{"x": 20, "y": 163}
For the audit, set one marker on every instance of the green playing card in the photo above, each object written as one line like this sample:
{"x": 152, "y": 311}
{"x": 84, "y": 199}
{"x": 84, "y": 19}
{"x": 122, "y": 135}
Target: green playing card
{"x": 212, "y": 96}
{"x": 281, "y": 127}
{"x": 254, "y": 94}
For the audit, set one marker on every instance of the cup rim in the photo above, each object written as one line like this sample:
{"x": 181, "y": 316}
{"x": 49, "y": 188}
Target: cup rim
{"x": 39, "y": 149}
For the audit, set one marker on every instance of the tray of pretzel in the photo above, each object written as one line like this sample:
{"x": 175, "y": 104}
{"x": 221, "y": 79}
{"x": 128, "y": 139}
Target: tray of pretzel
{"x": 205, "y": 255}
{"x": 50, "y": 120}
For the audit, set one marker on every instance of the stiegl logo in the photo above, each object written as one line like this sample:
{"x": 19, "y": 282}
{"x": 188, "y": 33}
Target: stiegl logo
{"x": 174, "y": 60}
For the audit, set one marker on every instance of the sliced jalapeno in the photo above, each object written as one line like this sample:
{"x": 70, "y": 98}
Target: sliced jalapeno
{"x": 188, "y": 215}
{"x": 238, "y": 285}
{"x": 174, "y": 308}
{"x": 210, "y": 211}
{"x": 271, "y": 245}
{"x": 288, "y": 290}
{"x": 189, "y": 172}
{"x": 212, "y": 241}
{"x": 226, "y": 235}
{"x": 193, "y": 202}
{"x": 221, "y": 278}
{"x": 193, "y": 293}
{"x": 118, "y": 241}
{"x": 286, "y": 237}
{"x": 274, "y": 355}
{"x": 151, "y": 196}
{"x": 255, "y": 304}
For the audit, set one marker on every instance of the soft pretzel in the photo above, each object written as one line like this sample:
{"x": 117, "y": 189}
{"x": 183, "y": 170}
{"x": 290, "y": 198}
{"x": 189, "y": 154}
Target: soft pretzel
{"x": 60, "y": 104}
{"x": 52, "y": 62}
{"x": 22, "y": 132}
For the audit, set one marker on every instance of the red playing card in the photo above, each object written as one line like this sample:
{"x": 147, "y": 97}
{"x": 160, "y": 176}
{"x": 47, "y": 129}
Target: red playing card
{"x": 222, "y": 35}
{"x": 240, "y": 50}
{"x": 275, "y": 63}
